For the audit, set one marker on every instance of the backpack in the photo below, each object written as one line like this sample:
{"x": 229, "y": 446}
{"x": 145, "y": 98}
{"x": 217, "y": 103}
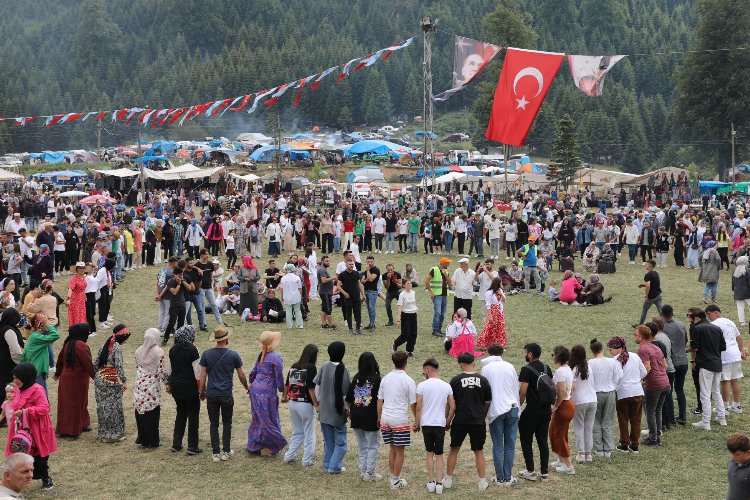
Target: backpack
{"x": 544, "y": 386}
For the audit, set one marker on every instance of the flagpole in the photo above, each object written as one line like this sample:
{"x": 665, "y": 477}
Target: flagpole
{"x": 505, "y": 169}
{"x": 428, "y": 26}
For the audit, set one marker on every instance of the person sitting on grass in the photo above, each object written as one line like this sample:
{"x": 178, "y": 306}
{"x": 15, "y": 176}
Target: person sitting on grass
{"x": 272, "y": 310}
{"x": 516, "y": 274}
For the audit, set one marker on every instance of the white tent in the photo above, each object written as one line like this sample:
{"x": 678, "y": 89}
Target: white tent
{"x": 255, "y": 137}
{"x": 246, "y": 178}
{"x": 6, "y": 176}
{"x": 117, "y": 172}
{"x": 186, "y": 171}
{"x": 453, "y": 176}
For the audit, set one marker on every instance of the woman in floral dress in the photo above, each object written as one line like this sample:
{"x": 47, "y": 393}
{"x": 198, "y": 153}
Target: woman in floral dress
{"x": 149, "y": 360}
{"x": 494, "y": 326}
{"x": 267, "y": 381}
{"x": 109, "y": 384}
{"x": 240, "y": 237}
{"x": 76, "y": 300}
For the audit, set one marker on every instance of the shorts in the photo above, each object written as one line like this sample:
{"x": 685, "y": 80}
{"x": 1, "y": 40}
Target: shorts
{"x": 477, "y": 435}
{"x": 434, "y": 438}
{"x": 731, "y": 371}
{"x": 326, "y": 303}
{"x": 397, "y": 436}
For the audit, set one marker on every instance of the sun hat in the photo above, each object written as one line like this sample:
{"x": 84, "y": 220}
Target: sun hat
{"x": 269, "y": 340}
{"x": 221, "y": 332}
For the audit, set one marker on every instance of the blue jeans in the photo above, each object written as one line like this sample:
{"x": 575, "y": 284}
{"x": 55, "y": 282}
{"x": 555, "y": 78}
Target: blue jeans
{"x": 503, "y": 432}
{"x": 632, "y": 252}
{"x": 334, "y": 446}
{"x": 372, "y": 300}
{"x": 711, "y": 287}
{"x": 177, "y": 247}
{"x": 413, "y": 242}
{"x": 195, "y": 299}
{"x": 390, "y": 237}
{"x": 448, "y": 242}
{"x": 336, "y": 244}
{"x": 207, "y": 294}
{"x": 439, "y": 302}
{"x": 478, "y": 243}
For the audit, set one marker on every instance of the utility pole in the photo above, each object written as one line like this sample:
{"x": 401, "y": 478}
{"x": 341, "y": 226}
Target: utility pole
{"x": 278, "y": 147}
{"x": 99, "y": 136}
{"x": 428, "y": 26}
{"x": 733, "y": 135}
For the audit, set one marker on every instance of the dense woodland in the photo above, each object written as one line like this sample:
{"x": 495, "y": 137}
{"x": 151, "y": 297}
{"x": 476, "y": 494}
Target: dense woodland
{"x": 83, "y": 55}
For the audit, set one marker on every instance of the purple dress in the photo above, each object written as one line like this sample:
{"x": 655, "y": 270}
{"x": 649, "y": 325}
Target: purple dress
{"x": 267, "y": 379}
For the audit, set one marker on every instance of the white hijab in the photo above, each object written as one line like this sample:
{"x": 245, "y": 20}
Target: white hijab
{"x": 741, "y": 268}
{"x": 149, "y": 355}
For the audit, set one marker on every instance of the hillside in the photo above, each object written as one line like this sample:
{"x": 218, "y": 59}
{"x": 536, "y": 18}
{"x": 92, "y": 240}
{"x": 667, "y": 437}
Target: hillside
{"x": 64, "y": 55}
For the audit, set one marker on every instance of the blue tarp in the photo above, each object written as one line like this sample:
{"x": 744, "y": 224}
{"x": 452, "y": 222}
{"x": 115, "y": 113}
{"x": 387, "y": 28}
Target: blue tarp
{"x": 63, "y": 176}
{"x": 300, "y": 135}
{"x": 266, "y": 153}
{"x": 377, "y": 147}
{"x": 372, "y": 173}
{"x": 711, "y": 186}
{"x": 438, "y": 171}
{"x": 298, "y": 155}
{"x": 166, "y": 148}
{"x": 430, "y": 135}
{"x": 51, "y": 157}
{"x": 152, "y": 158}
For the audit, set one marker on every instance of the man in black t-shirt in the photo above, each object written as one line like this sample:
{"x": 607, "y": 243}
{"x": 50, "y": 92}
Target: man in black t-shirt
{"x": 273, "y": 275}
{"x": 178, "y": 287}
{"x": 206, "y": 271}
{"x": 353, "y": 293}
{"x": 194, "y": 297}
{"x": 392, "y": 284}
{"x": 535, "y": 418}
{"x": 370, "y": 281}
{"x": 473, "y": 395}
{"x": 652, "y": 284}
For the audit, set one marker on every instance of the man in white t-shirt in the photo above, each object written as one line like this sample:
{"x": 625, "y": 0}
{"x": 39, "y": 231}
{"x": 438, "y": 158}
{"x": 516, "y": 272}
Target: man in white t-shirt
{"x": 484, "y": 277}
{"x": 463, "y": 286}
{"x": 397, "y": 393}
{"x": 435, "y": 405}
{"x": 731, "y": 358}
{"x": 503, "y": 413}
{"x": 378, "y": 229}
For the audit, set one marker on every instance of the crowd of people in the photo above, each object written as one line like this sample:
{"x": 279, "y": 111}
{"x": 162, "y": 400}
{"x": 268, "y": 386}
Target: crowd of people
{"x": 192, "y": 234}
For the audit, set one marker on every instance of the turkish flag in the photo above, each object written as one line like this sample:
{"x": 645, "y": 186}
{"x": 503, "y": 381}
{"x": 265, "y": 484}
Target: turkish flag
{"x": 524, "y": 81}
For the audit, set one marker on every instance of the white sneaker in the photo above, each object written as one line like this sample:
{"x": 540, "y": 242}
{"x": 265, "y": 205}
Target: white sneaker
{"x": 374, "y": 476}
{"x": 723, "y": 422}
{"x": 735, "y": 408}
{"x": 529, "y": 476}
{"x": 431, "y": 487}
{"x": 398, "y": 484}
{"x": 702, "y": 425}
{"x": 497, "y": 482}
{"x": 447, "y": 481}
{"x": 510, "y": 482}
{"x": 105, "y": 326}
{"x": 581, "y": 457}
{"x": 483, "y": 484}
{"x": 564, "y": 469}
{"x": 439, "y": 489}
{"x": 227, "y": 455}
{"x": 216, "y": 457}
{"x": 589, "y": 458}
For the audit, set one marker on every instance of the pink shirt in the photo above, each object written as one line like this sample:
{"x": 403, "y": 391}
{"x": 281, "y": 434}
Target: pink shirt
{"x": 568, "y": 290}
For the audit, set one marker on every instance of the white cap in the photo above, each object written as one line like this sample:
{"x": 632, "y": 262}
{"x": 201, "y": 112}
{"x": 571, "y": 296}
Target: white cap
{"x": 463, "y": 261}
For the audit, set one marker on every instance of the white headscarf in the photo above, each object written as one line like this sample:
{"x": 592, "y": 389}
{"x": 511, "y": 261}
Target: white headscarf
{"x": 149, "y": 355}
{"x": 741, "y": 268}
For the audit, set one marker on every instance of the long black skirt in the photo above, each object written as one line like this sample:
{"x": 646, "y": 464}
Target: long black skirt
{"x": 148, "y": 428}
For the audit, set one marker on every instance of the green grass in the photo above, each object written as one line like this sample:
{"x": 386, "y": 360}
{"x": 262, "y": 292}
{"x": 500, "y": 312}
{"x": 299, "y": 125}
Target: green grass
{"x": 691, "y": 464}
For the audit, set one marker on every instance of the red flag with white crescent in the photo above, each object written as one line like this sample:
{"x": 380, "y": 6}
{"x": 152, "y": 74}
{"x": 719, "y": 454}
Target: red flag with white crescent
{"x": 524, "y": 81}
{"x": 397, "y": 46}
{"x": 176, "y": 115}
{"x": 275, "y": 97}
{"x": 70, "y": 117}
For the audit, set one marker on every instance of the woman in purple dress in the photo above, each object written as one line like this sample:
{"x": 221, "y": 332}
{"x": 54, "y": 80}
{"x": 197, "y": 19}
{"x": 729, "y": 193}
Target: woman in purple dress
{"x": 267, "y": 381}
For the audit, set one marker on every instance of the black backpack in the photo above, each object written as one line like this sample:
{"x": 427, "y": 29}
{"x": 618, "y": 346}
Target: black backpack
{"x": 544, "y": 386}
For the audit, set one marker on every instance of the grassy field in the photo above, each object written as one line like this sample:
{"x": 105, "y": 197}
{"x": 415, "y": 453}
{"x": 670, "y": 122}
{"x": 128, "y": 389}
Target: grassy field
{"x": 691, "y": 464}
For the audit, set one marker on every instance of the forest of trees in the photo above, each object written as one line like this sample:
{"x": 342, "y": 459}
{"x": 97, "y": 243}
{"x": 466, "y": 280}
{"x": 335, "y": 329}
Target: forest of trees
{"x": 71, "y": 55}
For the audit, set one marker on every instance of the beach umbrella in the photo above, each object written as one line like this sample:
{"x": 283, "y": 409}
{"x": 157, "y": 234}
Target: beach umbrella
{"x": 96, "y": 198}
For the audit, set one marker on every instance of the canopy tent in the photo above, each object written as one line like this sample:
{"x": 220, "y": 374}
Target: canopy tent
{"x": 377, "y": 147}
{"x": 165, "y": 148}
{"x": 608, "y": 178}
{"x": 666, "y": 171}
{"x": 187, "y": 171}
{"x": 246, "y": 177}
{"x": 117, "y": 172}
{"x": 366, "y": 174}
{"x": 711, "y": 186}
{"x": 7, "y": 175}
{"x": 63, "y": 176}
{"x": 266, "y": 154}
{"x": 740, "y": 186}
{"x": 298, "y": 155}
{"x": 451, "y": 177}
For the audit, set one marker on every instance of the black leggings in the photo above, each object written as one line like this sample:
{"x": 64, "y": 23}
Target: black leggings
{"x": 408, "y": 332}
{"x": 724, "y": 254}
{"x": 510, "y": 248}
{"x": 103, "y": 304}
{"x": 231, "y": 258}
{"x": 60, "y": 261}
{"x": 41, "y": 467}
{"x": 402, "y": 245}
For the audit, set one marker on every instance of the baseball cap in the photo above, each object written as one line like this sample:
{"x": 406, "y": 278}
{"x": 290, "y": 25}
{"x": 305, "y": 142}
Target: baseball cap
{"x": 445, "y": 260}
{"x": 463, "y": 261}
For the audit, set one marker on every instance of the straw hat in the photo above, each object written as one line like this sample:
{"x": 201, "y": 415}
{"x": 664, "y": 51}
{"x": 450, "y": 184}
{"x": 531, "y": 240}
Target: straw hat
{"x": 269, "y": 340}
{"x": 220, "y": 333}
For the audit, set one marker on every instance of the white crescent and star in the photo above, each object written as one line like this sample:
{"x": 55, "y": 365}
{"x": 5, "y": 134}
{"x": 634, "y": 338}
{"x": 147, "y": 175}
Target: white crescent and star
{"x": 528, "y": 71}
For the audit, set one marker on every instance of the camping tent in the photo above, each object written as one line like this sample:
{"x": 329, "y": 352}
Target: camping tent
{"x": 365, "y": 174}
{"x": 187, "y": 171}
{"x": 266, "y": 154}
{"x": 607, "y": 178}
{"x": 377, "y": 147}
{"x": 246, "y": 177}
{"x": 51, "y": 157}
{"x": 451, "y": 177}
{"x": 166, "y": 148}
{"x": 254, "y": 137}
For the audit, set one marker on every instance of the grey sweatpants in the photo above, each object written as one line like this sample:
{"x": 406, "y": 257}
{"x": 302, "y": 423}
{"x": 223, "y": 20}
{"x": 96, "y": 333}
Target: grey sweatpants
{"x": 605, "y": 421}
{"x": 583, "y": 426}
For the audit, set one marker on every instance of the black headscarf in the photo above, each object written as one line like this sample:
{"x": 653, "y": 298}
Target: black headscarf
{"x": 120, "y": 334}
{"x": 9, "y": 320}
{"x": 109, "y": 264}
{"x": 78, "y": 331}
{"x": 336, "y": 351}
{"x": 26, "y": 373}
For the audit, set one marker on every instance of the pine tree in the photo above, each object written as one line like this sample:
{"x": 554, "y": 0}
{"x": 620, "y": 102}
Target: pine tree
{"x": 565, "y": 153}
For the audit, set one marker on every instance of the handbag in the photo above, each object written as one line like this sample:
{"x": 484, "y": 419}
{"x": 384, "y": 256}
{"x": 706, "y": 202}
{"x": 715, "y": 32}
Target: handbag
{"x": 22, "y": 441}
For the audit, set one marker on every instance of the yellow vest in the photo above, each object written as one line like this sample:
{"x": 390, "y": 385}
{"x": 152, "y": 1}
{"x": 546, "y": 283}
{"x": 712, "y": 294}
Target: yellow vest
{"x": 436, "y": 283}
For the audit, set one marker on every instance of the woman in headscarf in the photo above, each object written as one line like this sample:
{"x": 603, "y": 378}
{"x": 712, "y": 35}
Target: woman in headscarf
{"x": 109, "y": 384}
{"x": 149, "y": 360}
{"x": 740, "y": 287}
{"x": 37, "y": 349}
{"x": 10, "y": 292}
{"x": 590, "y": 257}
{"x": 332, "y": 384}
{"x": 266, "y": 381}
{"x": 214, "y": 235}
{"x": 568, "y": 288}
{"x": 593, "y": 292}
{"x": 249, "y": 286}
{"x": 629, "y": 395}
{"x": 193, "y": 237}
{"x": 183, "y": 359}
{"x": 30, "y": 401}
{"x": 710, "y": 265}
{"x": 73, "y": 370}
{"x": 44, "y": 302}
{"x": 240, "y": 237}
{"x": 11, "y": 344}
{"x": 149, "y": 244}
{"x": 606, "y": 264}
{"x": 76, "y": 300}
{"x": 41, "y": 266}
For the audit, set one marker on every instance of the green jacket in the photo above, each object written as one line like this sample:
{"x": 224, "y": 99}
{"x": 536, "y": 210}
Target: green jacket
{"x": 35, "y": 351}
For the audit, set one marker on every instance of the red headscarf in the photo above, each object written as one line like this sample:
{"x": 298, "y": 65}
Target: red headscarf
{"x": 247, "y": 263}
